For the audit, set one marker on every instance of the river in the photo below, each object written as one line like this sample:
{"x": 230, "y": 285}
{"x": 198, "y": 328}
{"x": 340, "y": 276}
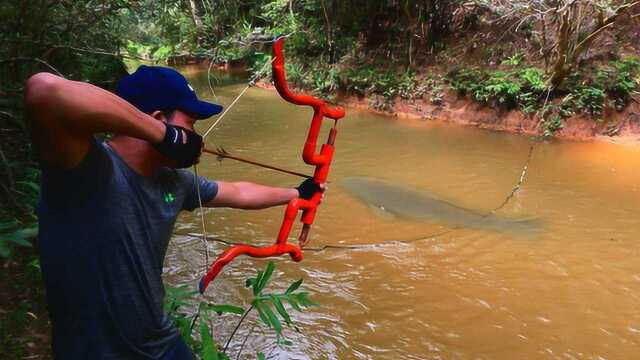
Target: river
{"x": 572, "y": 291}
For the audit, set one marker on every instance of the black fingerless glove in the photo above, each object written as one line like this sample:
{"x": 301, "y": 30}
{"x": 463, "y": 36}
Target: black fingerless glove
{"x": 182, "y": 145}
{"x": 308, "y": 188}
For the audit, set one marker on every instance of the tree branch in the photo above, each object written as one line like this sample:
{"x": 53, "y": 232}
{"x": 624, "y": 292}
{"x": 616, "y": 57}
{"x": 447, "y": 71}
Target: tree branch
{"x": 607, "y": 23}
{"x": 237, "y": 327}
{"x": 98, "y": 52}
{"x": 10, "y": 180}
{"x": 29, "y": 59}
{"x": 5, "y": 162}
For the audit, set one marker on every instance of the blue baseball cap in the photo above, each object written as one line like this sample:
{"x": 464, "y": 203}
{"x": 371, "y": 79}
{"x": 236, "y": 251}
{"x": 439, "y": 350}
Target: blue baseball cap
{"x": 152, "y": 88}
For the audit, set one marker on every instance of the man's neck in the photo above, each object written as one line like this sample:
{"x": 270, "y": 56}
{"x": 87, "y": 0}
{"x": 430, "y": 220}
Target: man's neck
{"x": 138, "y": 154}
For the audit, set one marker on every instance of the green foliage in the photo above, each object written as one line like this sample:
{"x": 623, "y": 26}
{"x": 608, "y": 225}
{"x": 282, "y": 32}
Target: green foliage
{"x": 410, "y": 87}
{"x": 271, "y": 308}
{"x": 523, "y": 89}
{"x": 17, "y": 225}
{"x": 566, "y": 108}
{"x": 593, "y": 90}
{"x": 590, "y": 99}
{"x": 589, "y": 92}
{"x": 513, "y": 60}
{"x": 466, "y": 81}
{"x": 551, "y": 125}
{"x": 623, "y": 81}
{"x": 12, "y": 233}
{"x": 359, "y": 80}
{"x": 265, "y": 304}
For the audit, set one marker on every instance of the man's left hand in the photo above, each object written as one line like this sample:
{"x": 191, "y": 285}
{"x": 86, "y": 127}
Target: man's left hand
{"x": 308, "y": 188}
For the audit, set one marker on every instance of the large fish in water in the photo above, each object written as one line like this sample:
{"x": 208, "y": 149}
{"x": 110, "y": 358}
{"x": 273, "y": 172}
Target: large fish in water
{"x": 415, "y": 205}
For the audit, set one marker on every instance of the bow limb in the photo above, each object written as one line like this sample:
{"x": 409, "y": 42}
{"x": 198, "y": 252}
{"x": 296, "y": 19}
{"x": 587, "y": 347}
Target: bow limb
{"x": 258, "y": 252}
{"x": 280, "y": 83}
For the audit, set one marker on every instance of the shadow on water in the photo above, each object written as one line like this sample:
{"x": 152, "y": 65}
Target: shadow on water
{"x": 410, "y": 204}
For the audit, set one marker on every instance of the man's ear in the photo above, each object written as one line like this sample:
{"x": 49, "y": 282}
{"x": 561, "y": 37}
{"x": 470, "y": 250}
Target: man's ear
{"x": 159, "y": 115}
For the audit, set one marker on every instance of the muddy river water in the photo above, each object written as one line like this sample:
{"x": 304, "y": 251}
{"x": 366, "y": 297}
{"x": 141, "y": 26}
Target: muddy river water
{"x": 571, "y": 290}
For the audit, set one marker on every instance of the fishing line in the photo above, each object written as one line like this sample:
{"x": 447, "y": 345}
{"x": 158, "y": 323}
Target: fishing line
{"x": 374, "y": 245}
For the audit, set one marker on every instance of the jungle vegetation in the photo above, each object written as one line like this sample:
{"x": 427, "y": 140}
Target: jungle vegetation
{"x": 553, "y": 58}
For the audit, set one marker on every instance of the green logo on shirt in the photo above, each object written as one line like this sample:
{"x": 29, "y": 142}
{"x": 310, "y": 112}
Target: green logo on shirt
{"x": 169, "y": 197}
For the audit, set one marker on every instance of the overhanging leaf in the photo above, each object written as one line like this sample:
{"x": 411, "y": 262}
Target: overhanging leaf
{"x": 263, "y": 316}
{"x": 293, "y": 287}
{"x": 266, "y": 276}
{"x": 256, "y": 283}
{"x": 4, "y": 249}
{"x": 209, "y": 351}
{"x": 303, "y": 298}
{"x": 280, "y": 308}
{"x": 220, "y": 309}
{"x": 277, "y": 326}
{"x": 294, "y": 303}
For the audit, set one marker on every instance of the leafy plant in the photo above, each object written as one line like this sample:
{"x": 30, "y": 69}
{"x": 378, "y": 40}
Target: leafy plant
{"x": 465, "y": 81}
{"x": 551, "y": 125}
{"x": 12, "y": 233}
{"x": 523, "y": 89}
{"x": 626, "y": 80}
{"x": 566, "y": 107}
{"x": 513, "y": 60}
{"x": 590, "y": 99}
{"x": 271, "y": 308}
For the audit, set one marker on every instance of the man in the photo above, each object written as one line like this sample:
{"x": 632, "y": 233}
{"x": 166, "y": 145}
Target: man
{"x": 107, "y": 209}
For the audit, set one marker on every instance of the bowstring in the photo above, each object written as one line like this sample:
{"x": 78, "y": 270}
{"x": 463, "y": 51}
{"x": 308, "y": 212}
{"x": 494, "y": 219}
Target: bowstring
{"x": 250, "y": 84}
{"x": 244, "y": 44}
{"x": 201, "y": 211}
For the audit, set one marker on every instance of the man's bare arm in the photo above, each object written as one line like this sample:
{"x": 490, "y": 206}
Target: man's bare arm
{"x": 246, "y": 195}
{"x": 64, "y": 114}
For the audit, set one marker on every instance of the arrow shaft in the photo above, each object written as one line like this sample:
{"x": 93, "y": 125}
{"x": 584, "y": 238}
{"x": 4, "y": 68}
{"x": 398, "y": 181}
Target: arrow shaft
{"x": 253, "y": 162}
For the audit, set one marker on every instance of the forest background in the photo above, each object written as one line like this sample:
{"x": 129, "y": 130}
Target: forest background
{"x": 549, "y": 60}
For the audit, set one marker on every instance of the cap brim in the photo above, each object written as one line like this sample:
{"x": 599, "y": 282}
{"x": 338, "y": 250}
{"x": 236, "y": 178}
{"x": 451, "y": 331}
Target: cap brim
{"x": 201, "y": 109}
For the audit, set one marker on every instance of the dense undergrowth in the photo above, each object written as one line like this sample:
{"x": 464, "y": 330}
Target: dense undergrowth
{"x": 503, "y": 72}
{"x": 513, "y": 86}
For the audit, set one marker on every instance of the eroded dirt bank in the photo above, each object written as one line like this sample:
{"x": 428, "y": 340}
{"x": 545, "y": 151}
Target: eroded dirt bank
{"x": 618, "y": 127}
{"x": 621, "y": 126}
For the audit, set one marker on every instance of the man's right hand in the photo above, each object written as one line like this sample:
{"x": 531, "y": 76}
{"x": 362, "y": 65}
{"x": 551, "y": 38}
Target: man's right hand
{"x": 179, "y": 144}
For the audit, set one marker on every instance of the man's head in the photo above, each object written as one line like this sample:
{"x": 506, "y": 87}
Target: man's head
{"x": 155, "y": 89}
{"x": 167, "y": 96}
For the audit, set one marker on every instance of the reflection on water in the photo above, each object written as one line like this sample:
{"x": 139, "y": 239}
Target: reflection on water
{"x": 468, "y": 294}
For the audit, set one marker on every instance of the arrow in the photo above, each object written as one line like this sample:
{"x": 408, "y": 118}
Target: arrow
{"x": 222, "y": 153}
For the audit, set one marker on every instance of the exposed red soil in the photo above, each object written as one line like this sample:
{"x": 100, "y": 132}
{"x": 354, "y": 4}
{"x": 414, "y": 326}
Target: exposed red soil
{"x": 618, "y": 127}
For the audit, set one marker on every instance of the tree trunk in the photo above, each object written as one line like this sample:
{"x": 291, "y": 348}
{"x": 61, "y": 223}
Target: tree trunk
{"x": 567, "y": 55}
{"x": 194, "y": 14}
{"x": 560, "y": 70}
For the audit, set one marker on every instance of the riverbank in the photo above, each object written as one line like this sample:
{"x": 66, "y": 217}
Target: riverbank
{"x": 622, "y": 127}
